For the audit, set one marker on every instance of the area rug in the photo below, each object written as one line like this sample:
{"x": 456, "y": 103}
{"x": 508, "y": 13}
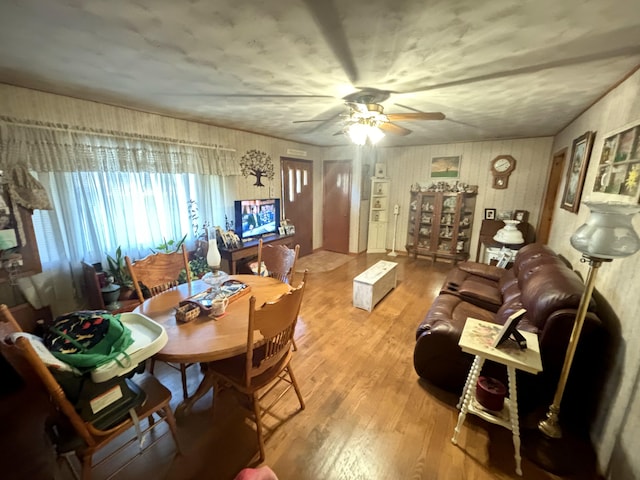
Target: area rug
{"x": 322, "y": 261}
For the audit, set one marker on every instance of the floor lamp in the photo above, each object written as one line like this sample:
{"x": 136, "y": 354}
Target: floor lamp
{"x": 608, "y": 234}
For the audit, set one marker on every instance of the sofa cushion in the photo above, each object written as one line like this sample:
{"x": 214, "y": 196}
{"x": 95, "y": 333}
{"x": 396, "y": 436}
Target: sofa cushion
{"x": 437, "y": 356}
{"x": 535, "y": 252}
{"x": 547, "y": 289}
{"x": 477, "y": 283}
{"x": 481, "y": 293}
{"x": 512, "y": 306}
{"x": 490, "y": 272}
{"x": 508, "y": 285}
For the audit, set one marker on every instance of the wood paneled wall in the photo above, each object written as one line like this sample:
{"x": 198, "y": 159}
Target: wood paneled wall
{"x": 615, "y": 433}
{"x": 29, "y": 104}
{"x": 405, "y": 165}
{"x": 408, "y": 165}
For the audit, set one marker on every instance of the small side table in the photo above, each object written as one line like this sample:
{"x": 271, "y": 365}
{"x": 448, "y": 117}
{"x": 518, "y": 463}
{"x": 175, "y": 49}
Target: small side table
{"x": 477, "y": 338}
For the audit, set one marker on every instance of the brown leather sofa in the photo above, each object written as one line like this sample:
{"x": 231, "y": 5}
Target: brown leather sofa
{"x": 539, "y": 281}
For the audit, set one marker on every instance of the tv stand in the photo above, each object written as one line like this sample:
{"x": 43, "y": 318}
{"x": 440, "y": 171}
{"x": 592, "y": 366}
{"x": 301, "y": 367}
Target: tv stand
{"x": 249, "y": 249}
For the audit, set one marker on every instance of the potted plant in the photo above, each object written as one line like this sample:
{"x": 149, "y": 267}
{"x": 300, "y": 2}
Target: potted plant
{"x": 169, "y": 246}
{"x": 118, "y": 270}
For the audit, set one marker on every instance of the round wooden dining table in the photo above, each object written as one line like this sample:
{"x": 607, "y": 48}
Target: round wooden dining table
{"x": 207, "y": 339}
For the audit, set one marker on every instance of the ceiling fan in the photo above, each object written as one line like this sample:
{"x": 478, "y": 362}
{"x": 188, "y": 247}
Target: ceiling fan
{"x": 366, "y": 114}
{"x": 372, "y": 114}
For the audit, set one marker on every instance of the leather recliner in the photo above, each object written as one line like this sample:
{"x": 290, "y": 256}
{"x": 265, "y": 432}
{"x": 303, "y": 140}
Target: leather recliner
{"x": 539, "y": 281}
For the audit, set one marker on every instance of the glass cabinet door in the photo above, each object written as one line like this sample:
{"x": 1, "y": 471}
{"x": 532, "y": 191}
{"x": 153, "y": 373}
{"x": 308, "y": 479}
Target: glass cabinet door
{"x": 427, "y": 220}
{"x": 448, "y": 217}
{"x": 440, "y": 223}
{"x": 465, "y": 221}
{"x": 412, "y": 227}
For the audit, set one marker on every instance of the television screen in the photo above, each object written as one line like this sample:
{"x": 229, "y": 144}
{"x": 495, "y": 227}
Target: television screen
{"x": 255, "y": 218}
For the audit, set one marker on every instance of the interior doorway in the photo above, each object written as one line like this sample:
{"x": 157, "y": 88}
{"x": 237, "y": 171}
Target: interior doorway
{"x": 336, "y": 190}
{"x": 553, "y": 182}
{"x": 297, "y": 200}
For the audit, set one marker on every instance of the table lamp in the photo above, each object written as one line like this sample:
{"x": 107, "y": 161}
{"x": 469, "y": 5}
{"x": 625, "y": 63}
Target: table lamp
{"x": 608, "y": 234}
{"x": 509, "y": 234}
{"x": 216, "y": 276}
{"x": 213, "y": 255}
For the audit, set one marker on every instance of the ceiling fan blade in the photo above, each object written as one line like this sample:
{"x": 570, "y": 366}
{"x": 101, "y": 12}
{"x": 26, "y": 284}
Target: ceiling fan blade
{"x": 399, "y": 117}
{"x": 395, "y": 129}
{"x": 309, "y": 121}
{"x": 241, "y": 95}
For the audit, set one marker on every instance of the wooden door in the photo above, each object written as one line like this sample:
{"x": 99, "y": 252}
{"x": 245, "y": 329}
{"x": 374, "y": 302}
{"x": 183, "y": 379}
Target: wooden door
{"x": 546, "y": 214}
{"x": 297, "y": 200}
{"x": 336, "y": 195}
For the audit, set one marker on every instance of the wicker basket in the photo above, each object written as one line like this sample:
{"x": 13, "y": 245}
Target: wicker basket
{"x": 187, "y": 312}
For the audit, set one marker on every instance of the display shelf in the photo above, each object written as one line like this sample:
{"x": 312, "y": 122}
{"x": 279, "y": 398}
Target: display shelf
{"x": 378, "y": 215}
{"x": 440, "y": 224}
{"x": 502, "y": 418}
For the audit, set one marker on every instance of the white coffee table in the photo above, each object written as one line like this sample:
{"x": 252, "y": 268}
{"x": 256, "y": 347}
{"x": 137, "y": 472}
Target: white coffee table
{"x": 373, "y": 284}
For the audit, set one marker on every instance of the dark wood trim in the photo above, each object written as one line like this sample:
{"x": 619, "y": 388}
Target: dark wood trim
{"x": 551, "y": 193}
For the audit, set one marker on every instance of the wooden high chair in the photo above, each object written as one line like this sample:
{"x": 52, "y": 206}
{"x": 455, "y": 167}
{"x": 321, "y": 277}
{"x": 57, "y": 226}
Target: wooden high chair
{"x": 88, "y": 439}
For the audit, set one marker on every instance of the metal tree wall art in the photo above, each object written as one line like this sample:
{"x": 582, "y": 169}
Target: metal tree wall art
{"x": 258, "y": 164}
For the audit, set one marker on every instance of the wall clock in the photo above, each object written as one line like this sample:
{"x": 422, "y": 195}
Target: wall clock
{"x": 501, "y": 168}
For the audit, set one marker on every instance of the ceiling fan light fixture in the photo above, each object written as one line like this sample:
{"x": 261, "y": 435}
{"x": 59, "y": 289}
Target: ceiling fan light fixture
{"x": 360, "y": 132}
{"x": 357, "y": 133}
{"x": 375, "y": 135}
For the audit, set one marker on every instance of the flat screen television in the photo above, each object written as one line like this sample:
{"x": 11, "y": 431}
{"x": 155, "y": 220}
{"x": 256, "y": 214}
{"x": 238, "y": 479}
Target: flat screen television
{"x": 255, "y": 218}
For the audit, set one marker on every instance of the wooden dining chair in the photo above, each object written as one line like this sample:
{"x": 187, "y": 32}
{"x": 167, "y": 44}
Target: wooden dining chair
{"x": 268, "y": 357}
{"x": 279, "y": 260}
{"x": 158, "y": 273}
{"x": 280, "y": 263}
{"x": 85, "y": 439}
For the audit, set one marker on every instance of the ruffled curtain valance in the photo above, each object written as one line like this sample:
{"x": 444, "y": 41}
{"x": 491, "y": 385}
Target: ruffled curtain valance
{"x": 47, "y": 147}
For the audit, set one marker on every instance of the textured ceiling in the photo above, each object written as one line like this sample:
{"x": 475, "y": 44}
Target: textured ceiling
{"x": 496, "y": 69}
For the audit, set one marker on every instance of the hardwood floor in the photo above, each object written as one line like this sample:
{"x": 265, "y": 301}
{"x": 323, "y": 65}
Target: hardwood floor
{"x": 367, "y": 414}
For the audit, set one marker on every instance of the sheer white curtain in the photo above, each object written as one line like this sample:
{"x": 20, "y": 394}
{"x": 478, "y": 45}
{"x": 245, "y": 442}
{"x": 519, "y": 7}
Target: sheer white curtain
{"x": 111, "y": 189}
{"x": 97, "y": 212}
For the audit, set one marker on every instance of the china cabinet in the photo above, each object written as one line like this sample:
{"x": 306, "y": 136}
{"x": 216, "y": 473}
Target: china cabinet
{"x": 440, "y": 225}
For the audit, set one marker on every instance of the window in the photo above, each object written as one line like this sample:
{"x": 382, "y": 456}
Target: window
{"x": 95, "y": 212}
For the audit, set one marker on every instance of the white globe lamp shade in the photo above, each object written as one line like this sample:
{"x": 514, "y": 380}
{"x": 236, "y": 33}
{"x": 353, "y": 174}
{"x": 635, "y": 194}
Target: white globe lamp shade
{"x": 509, "y": 234}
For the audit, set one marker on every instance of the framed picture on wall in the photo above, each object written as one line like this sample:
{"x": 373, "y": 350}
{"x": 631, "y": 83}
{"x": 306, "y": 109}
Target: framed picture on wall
{"x": 618, "y": 171}
{"x": 578, "y": 163}
{"x": 521, "y": 216}
{"x": 489, "y": 213}
{"x": 445, "y": 167}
